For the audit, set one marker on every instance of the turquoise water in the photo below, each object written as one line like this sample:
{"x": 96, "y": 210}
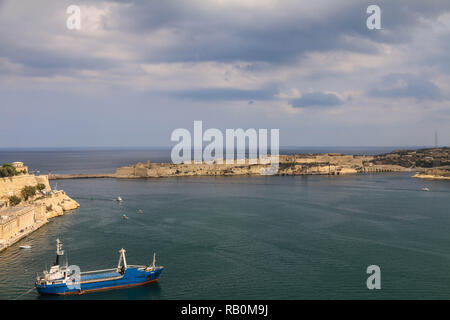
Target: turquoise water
{"x": 309, "y": 237}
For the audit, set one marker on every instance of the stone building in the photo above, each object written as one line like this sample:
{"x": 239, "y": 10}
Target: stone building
{"x": 20, "y": 167}
{"x": 17, "y": 220}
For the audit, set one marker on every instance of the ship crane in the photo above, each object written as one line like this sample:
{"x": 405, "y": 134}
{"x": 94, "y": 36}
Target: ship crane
{"x": 123, "y": 259}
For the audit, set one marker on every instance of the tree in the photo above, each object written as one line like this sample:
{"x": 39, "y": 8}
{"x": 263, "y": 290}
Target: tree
{"x": 7, "y": 170}
{"x": 14, "y": 200}
{"x": 40, "y": 186}
{"x": 27, "y": 192}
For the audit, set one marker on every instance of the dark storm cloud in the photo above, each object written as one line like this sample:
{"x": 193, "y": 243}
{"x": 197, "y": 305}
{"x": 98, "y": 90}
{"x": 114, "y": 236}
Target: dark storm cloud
{"x": 407, "y": 86}
{"x": 211, "y": 35}
{"x": 198, "y": 31}
{"x": 207, "y": 33}
{"x": 316, "y": 99}
{"x": 39, "y": 62}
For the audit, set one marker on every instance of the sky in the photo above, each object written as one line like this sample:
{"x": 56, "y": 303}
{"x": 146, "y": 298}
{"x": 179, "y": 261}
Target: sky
{"x": 137, "y": 70}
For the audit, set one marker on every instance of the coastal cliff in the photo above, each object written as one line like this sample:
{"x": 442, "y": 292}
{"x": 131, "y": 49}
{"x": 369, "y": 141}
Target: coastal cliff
{"x": 10, "y": 186}
{"x": 27, "y": 203}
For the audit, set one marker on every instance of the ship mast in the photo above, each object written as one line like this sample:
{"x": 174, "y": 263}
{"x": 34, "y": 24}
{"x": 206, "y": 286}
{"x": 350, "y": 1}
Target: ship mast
{"x": 59, "y": 251}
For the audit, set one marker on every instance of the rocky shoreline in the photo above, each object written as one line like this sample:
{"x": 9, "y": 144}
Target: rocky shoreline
{"x": 19, "y": 220}
{"x": 290, "y": 165}
{"x": 430, "y": 177}
{"x": 439, "y": 173}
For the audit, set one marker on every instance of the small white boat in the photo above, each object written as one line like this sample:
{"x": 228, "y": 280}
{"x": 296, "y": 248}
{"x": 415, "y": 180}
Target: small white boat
{"x": 425, "y": 189}
{"x": 125, "y": 217}
{"x": 26, "y": 246}
{"x": 140, "y": 211}
{"x": 119, "y": 199}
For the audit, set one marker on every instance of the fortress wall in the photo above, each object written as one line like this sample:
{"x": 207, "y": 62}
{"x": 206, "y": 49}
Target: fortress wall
{"x": 326, "y": 164}
{"x": 13, "y": 185}
{"x": 152, "y": 173}
{"x": 140, "y": 171}
{"x": 24, "y": 218}
{"x": 8, "y": 229}
{"x": 306, "y": 160}
{"x": 347, "y": 171}
{"x": 56, "y": 203}
{"x": 125, "y": 171}
{"x": 17, "y": 222}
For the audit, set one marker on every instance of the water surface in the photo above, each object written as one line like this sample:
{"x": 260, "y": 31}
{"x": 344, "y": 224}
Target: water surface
{"x": 305, "y": 237}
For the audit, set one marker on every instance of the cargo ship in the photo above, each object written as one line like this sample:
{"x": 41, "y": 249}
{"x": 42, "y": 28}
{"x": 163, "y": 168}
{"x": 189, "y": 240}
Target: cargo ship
{"x": 62, "y": 279}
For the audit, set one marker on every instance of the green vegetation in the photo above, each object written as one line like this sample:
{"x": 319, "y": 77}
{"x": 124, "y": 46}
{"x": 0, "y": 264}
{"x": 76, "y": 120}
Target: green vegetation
{"x": 27, "y": 192}
{"x": 424, "y": 163}
{"x": 14, "y": 200}
{"x": 7, "y": 170}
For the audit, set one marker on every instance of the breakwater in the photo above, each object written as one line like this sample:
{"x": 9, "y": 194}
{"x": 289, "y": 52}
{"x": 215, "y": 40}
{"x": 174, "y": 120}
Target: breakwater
{"x": 81, "y": 176}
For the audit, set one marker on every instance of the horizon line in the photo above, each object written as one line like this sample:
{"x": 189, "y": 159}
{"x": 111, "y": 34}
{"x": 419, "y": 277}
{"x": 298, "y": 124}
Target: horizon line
{"x": 169, "y": 147}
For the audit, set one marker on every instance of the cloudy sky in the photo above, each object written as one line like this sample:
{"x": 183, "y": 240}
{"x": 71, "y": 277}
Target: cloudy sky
{"x": 137, "y": 70}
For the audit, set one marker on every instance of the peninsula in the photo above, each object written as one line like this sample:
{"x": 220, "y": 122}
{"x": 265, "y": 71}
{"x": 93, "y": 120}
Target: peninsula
{"x": 27, "y": 203}
{"x": 427, "y": 163}
{"x": 289, "y": 165}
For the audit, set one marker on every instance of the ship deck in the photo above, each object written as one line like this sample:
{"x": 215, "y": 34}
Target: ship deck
{"x": 98, "y": 276}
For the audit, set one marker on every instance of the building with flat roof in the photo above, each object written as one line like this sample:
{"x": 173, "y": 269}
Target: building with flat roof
{"x": 15, "y": 220}
{"x": 19, "y": 166}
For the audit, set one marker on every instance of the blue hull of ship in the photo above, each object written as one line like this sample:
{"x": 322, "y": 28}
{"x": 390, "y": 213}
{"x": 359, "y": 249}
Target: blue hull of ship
{"x": 98, "y": 282}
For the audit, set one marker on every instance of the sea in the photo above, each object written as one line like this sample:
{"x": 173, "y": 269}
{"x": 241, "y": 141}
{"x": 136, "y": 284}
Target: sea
{"x": 259, "y": 237}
